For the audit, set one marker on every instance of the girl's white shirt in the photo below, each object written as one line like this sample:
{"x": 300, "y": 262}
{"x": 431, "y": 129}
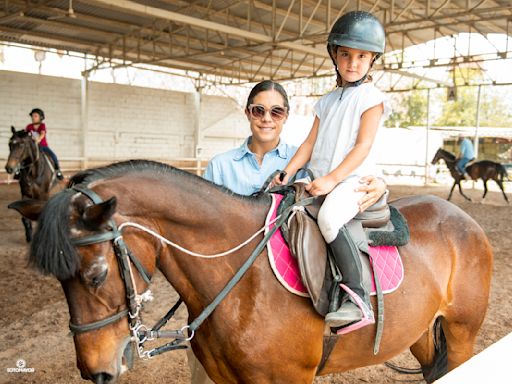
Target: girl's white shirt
{"x": 339, "y": 126}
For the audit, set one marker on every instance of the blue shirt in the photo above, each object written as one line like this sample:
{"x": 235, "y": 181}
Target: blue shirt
{"x": 238, "y": 169}
{"x": 466, "y": 149}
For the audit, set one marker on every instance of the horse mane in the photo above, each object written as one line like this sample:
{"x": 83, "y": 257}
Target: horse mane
{"x": 89, "y": 176}
{"x": 52, "y": 251}
{"x": 448, "y": 154}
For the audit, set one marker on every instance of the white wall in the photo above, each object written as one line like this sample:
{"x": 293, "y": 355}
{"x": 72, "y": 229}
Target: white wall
{"x": 123, "y": 121}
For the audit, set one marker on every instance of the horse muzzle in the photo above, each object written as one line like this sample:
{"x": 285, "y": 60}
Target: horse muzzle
{"x": 122, "y": 363}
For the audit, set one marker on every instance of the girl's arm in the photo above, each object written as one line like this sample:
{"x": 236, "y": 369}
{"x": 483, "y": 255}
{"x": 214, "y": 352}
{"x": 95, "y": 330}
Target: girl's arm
{"x": 41, "y": 137}
{"x": 302, "y": 156}
{"x": 367, "y": 130}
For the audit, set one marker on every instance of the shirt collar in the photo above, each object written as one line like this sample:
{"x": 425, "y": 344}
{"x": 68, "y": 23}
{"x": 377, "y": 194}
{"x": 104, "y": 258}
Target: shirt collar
{"x": 243, "y": 150}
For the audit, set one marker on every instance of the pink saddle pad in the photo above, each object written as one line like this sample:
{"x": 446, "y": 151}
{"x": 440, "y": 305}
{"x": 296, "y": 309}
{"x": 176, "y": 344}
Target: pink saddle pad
{"x": 385, "y": 259}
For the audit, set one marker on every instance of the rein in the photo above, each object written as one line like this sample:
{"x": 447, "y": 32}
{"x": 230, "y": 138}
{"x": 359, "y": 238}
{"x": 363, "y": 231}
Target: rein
{"x": 140, "y": 332}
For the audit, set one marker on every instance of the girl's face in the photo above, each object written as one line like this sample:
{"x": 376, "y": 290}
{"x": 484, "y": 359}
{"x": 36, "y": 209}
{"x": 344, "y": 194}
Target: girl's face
{"x": 352, "y": 63}
{"x": 36, "y": 119}
{"x": 267, "y": 115}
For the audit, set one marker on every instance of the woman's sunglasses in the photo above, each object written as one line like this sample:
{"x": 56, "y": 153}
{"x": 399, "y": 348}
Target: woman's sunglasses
{"x": 258, "y": 111}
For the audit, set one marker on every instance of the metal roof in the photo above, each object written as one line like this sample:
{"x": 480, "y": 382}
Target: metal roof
{"x": 244, "y": 40}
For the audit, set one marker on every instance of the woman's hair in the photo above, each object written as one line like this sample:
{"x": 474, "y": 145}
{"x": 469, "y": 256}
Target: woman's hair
{"x": 268, "y": 85}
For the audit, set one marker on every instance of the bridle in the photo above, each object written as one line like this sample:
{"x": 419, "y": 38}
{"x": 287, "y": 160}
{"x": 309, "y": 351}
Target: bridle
{"x": 139, "y": 332}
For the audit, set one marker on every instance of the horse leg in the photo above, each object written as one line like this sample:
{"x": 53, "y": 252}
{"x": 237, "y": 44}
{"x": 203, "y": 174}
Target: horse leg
{"x": 451, "y": 190}
{"x": 460, "y": 339}
{"x": 462, "y": 193}
{"x": 28, "y": 229}
{"x": 430, "y": 351}
{"x": 500, "y": 184}
{"x": 485, "y": 190}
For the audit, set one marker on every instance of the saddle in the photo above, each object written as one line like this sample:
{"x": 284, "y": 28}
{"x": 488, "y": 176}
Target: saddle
{"x": 380, "y": 224}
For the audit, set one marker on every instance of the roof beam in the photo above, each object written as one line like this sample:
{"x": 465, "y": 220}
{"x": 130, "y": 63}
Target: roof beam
{"x": 133, "y": 7}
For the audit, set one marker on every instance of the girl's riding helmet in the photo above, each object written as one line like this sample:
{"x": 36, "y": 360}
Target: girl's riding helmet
{"x": 358, "y": 30}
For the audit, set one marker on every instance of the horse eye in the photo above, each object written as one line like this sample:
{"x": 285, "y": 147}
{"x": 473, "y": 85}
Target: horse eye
{"x": 97, "y": 280}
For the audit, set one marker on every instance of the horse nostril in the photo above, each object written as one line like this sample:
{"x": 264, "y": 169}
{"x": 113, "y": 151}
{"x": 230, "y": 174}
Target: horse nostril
{"x": 8, "y": 169}
{"x": 102, "y": 378}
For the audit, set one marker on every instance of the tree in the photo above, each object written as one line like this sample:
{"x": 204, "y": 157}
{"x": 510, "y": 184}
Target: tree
{"x": 494, "y": 112}
{"x": 409, "y": 109}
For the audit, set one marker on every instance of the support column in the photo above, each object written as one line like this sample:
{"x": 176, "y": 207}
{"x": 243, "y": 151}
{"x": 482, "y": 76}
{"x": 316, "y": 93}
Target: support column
{"x": 198, "y": 136}
{"x": 84, "y": 112}
{"x": 427, "y": 131}
{"x": 477, "y": 126}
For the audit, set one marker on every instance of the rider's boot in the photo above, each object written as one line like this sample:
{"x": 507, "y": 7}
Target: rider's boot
{"x": 59, "y": 174}
{"x": 346, "y": 257}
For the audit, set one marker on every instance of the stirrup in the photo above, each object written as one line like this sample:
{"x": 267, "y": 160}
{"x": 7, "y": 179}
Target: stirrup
{"x": 346, "y": 314}
{"x": 367, "y": 313}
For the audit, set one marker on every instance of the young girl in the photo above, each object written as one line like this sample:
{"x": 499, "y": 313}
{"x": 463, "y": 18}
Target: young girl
{"x": 38, "y": 131}
{"x": 339, "y": 149}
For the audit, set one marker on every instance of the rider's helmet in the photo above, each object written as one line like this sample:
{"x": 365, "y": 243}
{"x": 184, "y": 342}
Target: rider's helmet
{"x": 358, "y": 30}
{"x": 39, "y": 111}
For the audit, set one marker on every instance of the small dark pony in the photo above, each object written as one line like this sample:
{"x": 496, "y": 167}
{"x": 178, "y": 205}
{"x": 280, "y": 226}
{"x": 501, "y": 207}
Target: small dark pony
{"x": 485, "y": 170}
{"x": 36, "y": 171}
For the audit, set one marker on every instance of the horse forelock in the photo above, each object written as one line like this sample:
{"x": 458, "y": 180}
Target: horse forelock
{"x": 52, "y": 251}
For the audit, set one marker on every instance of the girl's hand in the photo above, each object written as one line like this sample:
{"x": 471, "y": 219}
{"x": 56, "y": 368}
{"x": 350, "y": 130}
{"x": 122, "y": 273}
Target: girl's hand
{"x": 321, "y": 186}
{"x": 374, "y": 188}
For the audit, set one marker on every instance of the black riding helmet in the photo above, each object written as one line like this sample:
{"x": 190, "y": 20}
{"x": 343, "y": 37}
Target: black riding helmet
{"x": 358, "y": 30}
{"x": 39, "y": 111}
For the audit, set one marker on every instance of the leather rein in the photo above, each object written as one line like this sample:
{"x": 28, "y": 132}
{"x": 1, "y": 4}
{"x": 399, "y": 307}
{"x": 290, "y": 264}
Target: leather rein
{"x": 141, "y": 333}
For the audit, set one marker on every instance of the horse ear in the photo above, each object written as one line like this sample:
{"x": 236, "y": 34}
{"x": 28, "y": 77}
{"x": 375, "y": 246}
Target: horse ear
{"x": 13, "y": 130}
{"x": 29, "y": 208}
{"x": 96, "y": 215}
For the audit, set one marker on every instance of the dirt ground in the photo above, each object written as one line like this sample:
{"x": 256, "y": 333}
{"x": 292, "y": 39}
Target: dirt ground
{"x": 34, "y": 314}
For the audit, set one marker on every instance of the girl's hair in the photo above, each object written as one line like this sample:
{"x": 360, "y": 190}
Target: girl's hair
{"x": 268, "y": 85}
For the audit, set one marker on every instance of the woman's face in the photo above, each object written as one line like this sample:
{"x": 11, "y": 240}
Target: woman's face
{"x": 267, "y": 128}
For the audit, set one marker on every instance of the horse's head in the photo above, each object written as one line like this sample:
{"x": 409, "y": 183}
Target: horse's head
{"x": 75, "y": 241}
{"x": 21, "y": 148}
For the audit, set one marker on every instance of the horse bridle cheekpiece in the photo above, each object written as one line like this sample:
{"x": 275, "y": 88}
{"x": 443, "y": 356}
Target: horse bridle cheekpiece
{"x": 139, "y": 332}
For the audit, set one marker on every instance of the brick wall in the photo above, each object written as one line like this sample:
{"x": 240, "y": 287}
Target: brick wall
{"x": 123, "y": 121}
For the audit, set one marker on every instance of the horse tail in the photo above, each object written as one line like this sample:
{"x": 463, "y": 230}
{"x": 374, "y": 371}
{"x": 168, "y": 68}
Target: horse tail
{"x": 502, "y": 172}
{"x": 439, "y": 366}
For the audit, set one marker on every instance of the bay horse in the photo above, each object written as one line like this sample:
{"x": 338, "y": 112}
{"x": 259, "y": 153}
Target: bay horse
{"x": 485, "y": 170}
{"x": 36, "y": 176}
{"x": 259, "y": 333}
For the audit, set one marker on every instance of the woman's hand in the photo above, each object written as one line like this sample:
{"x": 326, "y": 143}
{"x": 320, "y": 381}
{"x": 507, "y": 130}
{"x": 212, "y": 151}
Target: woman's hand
{"x": 279, "y": 179}
{"x": 321, "y": 186}
{"x": 374, "y": 188}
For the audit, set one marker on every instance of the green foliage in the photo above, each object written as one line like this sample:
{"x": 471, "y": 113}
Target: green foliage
{"x": 494, "y": 112}
{"x": 409, "y": 109}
